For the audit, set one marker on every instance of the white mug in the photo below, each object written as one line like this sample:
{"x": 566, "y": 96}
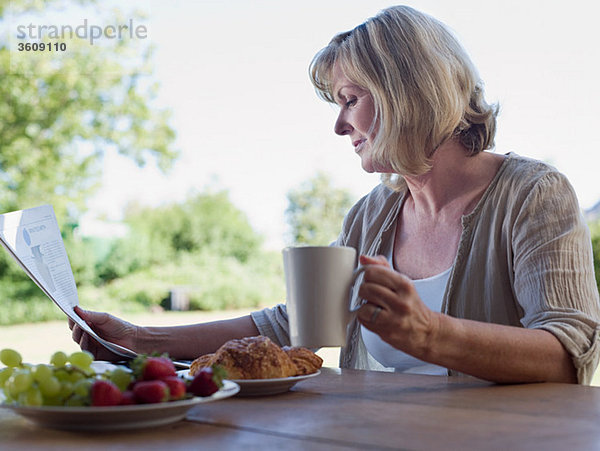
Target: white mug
{"x": 318, "y": 281}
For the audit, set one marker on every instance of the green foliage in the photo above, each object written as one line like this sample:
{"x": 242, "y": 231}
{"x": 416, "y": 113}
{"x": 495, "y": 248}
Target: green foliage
{"x": 204, "y": 245}
{"x": 207, "y": 223}
{"x": 595, "y": 233}
{"x": 60, "y": 113}
{"x": 316, "y": 210}
{"x": 211, "y": 282}
{"x": 22, "y": 301}
{"x": 207, "y": 220}
{"x": 83, "y": 258}
{"x": 62, "y": 110}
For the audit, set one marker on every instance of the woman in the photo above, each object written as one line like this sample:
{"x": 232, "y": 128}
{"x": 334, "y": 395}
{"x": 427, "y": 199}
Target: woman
{"x": 476, "y": 263}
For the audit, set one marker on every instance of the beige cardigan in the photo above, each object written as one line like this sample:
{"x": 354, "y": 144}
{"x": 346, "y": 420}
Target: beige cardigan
{"x": 524, "y": 259}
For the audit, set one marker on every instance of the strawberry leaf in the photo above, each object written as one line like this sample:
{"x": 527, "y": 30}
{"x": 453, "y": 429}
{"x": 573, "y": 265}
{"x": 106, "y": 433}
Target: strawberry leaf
{"x": 219, "y": 373}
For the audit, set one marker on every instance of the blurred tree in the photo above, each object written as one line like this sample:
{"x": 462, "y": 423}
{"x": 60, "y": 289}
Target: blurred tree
{"x": 62, "y": 110}
{"x": 207, "y": 223}
{"x": 316, "y": 210}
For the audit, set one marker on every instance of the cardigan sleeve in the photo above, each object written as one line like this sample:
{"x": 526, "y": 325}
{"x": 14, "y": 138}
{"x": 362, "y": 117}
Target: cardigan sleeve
{"x": 273, "y": 323}
{"x": 553, "y": 270}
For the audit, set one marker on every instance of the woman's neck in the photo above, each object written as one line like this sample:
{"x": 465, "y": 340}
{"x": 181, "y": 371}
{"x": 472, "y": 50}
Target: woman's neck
{"x": 454, "y": 184}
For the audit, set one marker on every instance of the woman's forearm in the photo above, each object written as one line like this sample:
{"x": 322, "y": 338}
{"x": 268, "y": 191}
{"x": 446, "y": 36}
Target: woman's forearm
{"x": 191, "y": 341}
{"x": 499, "y": 353}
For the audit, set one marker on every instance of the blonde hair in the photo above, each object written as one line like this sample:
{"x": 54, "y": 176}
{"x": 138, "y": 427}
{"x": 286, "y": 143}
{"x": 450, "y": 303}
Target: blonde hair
{"x": 424, "y": 86}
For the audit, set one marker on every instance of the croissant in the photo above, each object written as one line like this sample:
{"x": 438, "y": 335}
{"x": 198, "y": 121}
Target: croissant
{"x": 306, "y": 361}
{"x": 259, "y": 358}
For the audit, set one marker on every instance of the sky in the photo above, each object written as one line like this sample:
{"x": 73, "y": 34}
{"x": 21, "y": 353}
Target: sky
{"x": 234, "y": 74}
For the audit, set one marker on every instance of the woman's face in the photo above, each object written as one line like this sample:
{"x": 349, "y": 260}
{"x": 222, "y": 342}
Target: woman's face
{"x": 357, "y": 111}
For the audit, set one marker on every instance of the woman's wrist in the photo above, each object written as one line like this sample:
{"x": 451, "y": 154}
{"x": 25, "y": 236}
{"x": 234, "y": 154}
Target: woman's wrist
{"x": 149, "y": 340}
{"x": 430, "y": 346}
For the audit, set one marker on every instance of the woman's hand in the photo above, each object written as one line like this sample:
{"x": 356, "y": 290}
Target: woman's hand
{"x": 394, "y": 310}
{"x": 106, "y": 326}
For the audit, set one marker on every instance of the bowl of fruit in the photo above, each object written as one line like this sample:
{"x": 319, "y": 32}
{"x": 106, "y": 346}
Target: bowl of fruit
{"x": 73, "y": 392}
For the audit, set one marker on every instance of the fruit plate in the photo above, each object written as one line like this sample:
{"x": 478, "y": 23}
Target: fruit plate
{"x": 263, "y": 387}
{"x": 118, "y": 417}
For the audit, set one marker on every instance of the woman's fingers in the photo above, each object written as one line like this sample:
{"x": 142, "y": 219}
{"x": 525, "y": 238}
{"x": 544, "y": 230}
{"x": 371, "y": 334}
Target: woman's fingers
{"x": 383, "y": 290}
{"x": 377, "y": 294}
{"x": 376, "y": 260}
{"x": 106, "y": 326}
{"x": 388, "y": 278}
{"x": 369, "y": 314}
{"x": 76, "y": 333}
{"x": 93, "y": 319}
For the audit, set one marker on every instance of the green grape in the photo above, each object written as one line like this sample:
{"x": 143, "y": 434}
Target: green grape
{"x": 75, "y": 376}
{"x": 66, "y": 389}
{"x": 32, "y": 397}
{"x": 81, "y": 359}
{"x": 82, "y": 387}
{"x": 5, "y": 374}
{"x": 10, "y": 357}
{"x": 41, "y": 372}
{"x": 7, "y": 396}
{"x": 61, "y": 375}
{"x": 59, "y": 359}
{"x": 49, "y": 387}
{"x": 20, "y": 381}
{"x": 10, "y": 390}
{"x": 121, "y": 377}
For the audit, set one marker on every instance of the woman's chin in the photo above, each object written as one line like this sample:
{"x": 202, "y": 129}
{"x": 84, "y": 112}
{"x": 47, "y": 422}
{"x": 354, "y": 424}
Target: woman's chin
{"x": 369, "y": 166}
{"x": 368, "y": 169}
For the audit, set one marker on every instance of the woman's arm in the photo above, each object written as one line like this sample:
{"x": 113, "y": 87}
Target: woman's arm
{"x": 499, "y": 353}
{"x": 488, "y": 351}
{"x": 191, "y": 341}
{"x": 180, "y": 342}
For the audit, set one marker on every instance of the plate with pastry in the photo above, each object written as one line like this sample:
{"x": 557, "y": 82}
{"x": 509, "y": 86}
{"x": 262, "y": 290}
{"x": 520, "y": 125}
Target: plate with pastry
{"x": 259, "y": 366}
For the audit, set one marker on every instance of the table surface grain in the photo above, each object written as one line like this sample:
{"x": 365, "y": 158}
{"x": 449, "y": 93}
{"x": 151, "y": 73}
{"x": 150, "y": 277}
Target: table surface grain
{"x": 351, "y": 409}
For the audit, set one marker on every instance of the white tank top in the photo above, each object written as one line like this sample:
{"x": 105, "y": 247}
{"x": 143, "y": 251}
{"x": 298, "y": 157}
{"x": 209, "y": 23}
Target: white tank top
{"x": 431, "y": 291}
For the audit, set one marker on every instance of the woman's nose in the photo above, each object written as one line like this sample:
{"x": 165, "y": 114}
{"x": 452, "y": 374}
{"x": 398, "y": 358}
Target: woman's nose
{"x": 341, "y": 126}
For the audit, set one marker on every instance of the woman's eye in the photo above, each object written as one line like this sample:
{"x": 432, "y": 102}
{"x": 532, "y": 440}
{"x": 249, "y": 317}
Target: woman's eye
{"x": 350, "y": 103}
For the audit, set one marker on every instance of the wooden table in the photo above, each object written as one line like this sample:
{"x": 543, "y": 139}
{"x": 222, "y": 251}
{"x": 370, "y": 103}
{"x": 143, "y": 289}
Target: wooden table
{"x": 345, "y": 409}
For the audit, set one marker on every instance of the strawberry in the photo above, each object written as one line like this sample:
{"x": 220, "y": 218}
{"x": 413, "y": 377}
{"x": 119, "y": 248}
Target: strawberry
{"x": 127, "y": 398}
{"x": 177, "y": 388}
{"x": 105, "y": 393}
{"x": 207, "y": 381}
{"x": 147, "y": 392}
{"x": 152, "y": 368}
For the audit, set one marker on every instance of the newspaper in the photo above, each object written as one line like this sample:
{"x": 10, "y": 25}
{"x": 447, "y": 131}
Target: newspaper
{"x": 32, "y": 237}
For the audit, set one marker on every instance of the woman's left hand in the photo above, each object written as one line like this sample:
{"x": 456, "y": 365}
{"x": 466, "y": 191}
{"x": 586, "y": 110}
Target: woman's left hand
{"x": 394, "y": 310}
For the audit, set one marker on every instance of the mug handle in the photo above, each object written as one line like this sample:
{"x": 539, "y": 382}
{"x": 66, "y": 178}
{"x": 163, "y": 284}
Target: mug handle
{"x": 357, "y": 273}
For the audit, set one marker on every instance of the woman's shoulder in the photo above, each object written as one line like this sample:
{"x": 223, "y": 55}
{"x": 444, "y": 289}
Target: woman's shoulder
{"x": 525, "y": 169}
{"x": 527, "y": 182}
{"x": 522, "y": 174}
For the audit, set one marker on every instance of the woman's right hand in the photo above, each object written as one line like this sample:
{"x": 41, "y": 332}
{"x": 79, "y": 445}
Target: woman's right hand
{"x": 107, "y": 327}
